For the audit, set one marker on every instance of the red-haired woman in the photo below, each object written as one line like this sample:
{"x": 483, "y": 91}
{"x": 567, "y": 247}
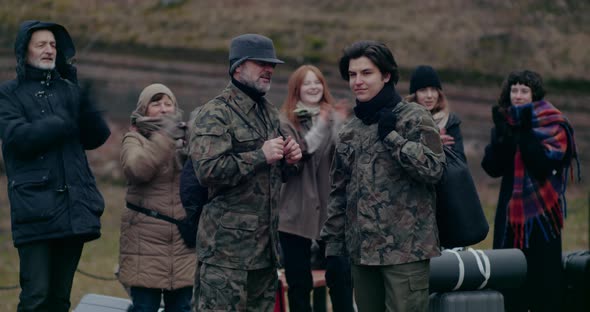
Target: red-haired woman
{"x": 310, "y": 115}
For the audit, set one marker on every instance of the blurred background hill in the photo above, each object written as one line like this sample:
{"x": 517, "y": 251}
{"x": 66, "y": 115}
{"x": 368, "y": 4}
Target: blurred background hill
{"x": 486, "y": 37}
{"x": 124, "y": 45}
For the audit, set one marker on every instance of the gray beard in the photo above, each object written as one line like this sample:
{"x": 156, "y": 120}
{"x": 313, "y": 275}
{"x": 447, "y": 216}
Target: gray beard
{"x": 43, "y": 66}
{"x": 254, "y": 85}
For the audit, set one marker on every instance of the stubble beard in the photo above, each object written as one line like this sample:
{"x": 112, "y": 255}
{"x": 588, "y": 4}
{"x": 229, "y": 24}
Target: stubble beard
{"x": 255, "y": 84}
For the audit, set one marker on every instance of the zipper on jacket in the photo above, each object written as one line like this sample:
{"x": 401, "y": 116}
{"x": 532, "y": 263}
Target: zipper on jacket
{"x": 62, "y": 183}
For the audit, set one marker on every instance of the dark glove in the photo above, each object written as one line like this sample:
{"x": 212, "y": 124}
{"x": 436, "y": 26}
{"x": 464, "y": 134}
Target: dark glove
{"x": 523, "y": 130}
{"x": 526, "y": 119}
{"x": 67, "y": 70}
{"x": 387, "y": 122}
{"x": 504, "y": 133}
{"x": 69, "y": 125}
{"x": 87, "y": 102}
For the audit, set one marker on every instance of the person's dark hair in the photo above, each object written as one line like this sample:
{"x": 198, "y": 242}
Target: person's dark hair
{"x": 157, "y": 97}
{"x": 375, "y": 51}
{"x": 526, "y": 77}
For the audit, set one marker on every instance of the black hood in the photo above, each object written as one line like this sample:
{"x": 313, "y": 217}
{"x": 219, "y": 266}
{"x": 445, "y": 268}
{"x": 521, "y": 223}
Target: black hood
{"x": 65, "y": 47}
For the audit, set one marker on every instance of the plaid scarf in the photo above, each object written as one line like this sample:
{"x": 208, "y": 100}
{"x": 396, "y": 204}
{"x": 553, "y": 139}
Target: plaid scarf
{"x": 540, "y": 201}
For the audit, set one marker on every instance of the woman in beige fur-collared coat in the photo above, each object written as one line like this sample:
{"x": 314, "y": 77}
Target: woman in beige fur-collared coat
{"x": 154, "y": 260}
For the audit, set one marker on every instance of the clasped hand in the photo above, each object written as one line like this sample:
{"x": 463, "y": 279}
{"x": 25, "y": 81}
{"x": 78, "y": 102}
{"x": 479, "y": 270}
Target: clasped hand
{"x": 279, "y": 148}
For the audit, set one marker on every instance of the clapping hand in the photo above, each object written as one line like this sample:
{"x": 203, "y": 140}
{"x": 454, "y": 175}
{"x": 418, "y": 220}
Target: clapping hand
{"x": 503, "y": 129}
{"x": 342, "y": 109}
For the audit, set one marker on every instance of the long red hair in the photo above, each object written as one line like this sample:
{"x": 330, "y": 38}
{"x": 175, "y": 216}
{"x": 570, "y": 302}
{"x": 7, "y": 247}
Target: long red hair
{"x": 294, "y": 85}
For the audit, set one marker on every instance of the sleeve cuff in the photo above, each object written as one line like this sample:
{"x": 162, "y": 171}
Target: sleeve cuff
{"x": 394, "y": 140}
{"x": 258, "y": 159}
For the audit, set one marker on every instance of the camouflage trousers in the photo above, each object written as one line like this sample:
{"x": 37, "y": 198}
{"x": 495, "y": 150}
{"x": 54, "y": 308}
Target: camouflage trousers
{"x": 224, "y": 289}
{"x": 392, "y": 288}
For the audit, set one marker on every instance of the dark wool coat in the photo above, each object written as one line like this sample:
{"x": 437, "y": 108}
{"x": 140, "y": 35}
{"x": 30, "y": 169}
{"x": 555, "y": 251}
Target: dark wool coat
{"x": 45, "y": 126}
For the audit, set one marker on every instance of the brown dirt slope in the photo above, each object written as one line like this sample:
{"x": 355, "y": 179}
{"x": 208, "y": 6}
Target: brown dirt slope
{"x": 484, "y": 37}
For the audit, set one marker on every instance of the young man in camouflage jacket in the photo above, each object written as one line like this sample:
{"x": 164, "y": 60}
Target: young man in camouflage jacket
{"x": 381, "y": 210}
{"x": 238, "y": 152}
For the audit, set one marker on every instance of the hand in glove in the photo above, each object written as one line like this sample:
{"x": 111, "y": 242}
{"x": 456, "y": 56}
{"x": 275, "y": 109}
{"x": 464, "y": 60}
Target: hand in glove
{"x": 504, "y": 131}
{"x": 525, "y": 124}
{"x": 526, "y": 119}
{"x": 69, "y": 125}
{"x": 387, "y": 122}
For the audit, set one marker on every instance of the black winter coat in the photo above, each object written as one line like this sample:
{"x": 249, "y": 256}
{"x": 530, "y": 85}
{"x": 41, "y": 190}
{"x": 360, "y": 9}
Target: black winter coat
{"x": 45, "y": 127}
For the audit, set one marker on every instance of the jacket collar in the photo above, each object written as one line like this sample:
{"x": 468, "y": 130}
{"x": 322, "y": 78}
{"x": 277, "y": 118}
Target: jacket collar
{"x": 235, "y": 94}
{"x": 43, "y": 75}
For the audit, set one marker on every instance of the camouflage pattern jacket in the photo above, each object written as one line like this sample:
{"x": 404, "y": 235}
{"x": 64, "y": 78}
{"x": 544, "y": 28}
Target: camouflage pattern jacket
{"x": 238, "y": 226}
{"x": 381, "y": 209}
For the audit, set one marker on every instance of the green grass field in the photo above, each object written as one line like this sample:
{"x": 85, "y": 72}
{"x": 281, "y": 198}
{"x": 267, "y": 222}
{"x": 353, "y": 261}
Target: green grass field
{"x": 100, "y": 257}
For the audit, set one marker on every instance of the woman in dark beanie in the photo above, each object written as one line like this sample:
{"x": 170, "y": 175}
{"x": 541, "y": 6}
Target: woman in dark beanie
{"x": 426, "y": 90}
{"x": 531, "y": 148}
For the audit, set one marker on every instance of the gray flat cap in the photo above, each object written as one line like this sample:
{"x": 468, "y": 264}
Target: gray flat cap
{"x": 251, "y": 47}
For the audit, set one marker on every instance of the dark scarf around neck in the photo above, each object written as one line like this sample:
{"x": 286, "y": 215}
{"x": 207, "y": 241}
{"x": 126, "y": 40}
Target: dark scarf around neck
{"x": 369, "y": 112}
{"x": 254, "y": 94}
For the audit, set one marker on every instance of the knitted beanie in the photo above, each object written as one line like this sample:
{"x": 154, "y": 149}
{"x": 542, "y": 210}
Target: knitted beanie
{"x": 422, "y": 77}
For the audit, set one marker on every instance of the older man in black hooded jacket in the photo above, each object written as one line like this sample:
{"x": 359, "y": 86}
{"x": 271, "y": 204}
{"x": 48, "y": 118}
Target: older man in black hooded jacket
{"x": 46, "y": 124}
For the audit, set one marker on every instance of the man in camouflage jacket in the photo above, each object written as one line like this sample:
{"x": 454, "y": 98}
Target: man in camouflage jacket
{"x": 238, "y": 152}
{"x": 381, "y": 210}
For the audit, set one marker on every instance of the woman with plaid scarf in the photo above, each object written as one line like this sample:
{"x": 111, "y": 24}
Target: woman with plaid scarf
{"x": 532, "y": 146}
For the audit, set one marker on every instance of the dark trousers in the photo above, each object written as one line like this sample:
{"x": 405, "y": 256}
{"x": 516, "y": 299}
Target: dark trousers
{"x": 297, "y": 261}
{"x": 149, "y": 299}
{"x": 542, "y": 290}
{"x": 46, "y": 274}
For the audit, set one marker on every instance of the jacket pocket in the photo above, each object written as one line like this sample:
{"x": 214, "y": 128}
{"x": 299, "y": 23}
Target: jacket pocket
{"x": 32, "y": 199}
{"x": 239, "y": 221}
{"x": 237, "y": 235}
{"x": 245, "y": 139}
{"x": 419, "y": 281}
{"x": 88, "y": 196}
